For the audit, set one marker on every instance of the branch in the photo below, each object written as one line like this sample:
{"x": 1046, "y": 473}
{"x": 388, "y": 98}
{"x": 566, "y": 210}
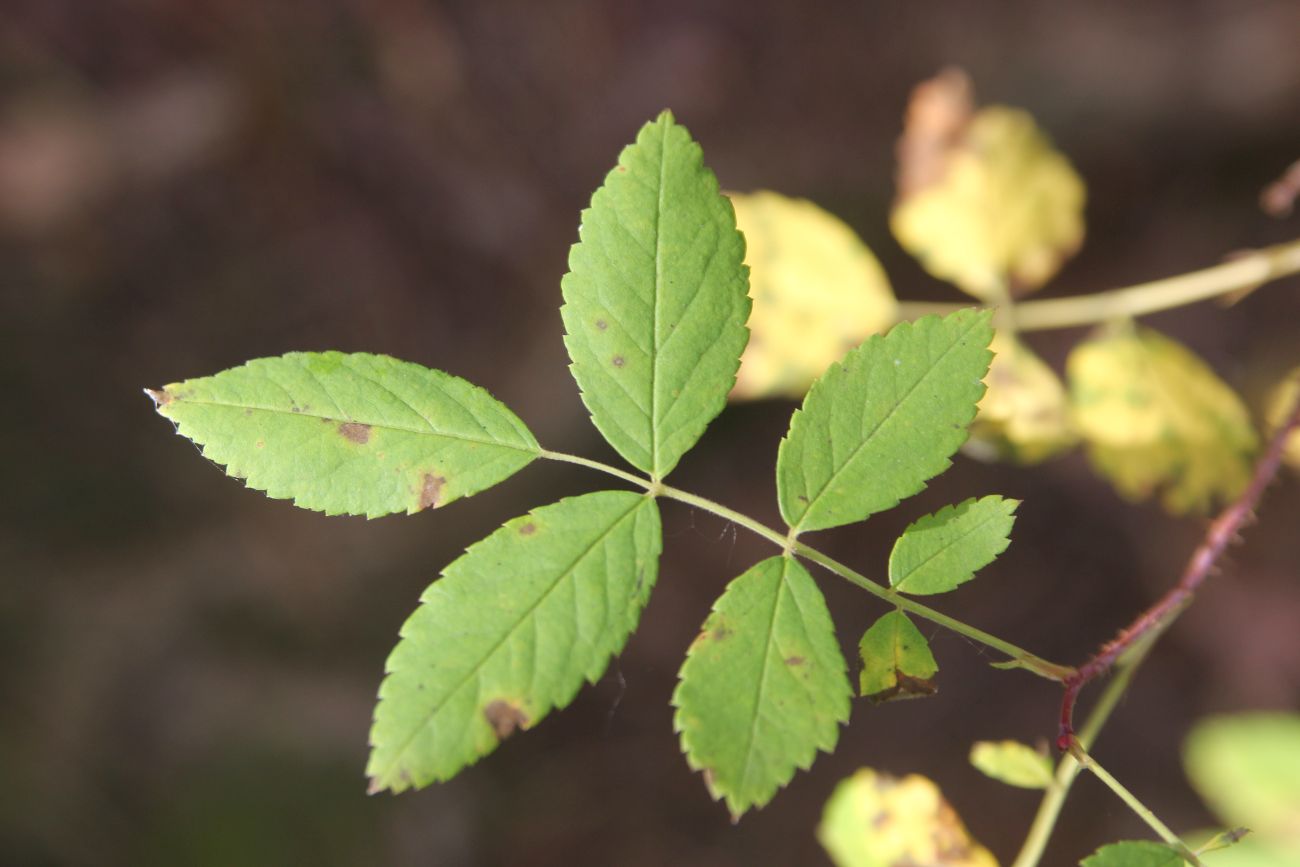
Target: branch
{"x": 1242, "y": 274}
{"x": 1157, "y": 618}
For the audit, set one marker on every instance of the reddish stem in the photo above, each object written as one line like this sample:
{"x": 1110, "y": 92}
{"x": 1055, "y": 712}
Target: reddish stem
{"x": 1222, "y": 531}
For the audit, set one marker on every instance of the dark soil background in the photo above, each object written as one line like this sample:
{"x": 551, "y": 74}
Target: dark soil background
{"x": 188, "y": 668}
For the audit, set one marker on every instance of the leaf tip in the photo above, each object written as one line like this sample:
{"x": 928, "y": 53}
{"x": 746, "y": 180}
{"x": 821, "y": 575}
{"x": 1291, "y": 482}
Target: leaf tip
{"x": 160, "y": 397}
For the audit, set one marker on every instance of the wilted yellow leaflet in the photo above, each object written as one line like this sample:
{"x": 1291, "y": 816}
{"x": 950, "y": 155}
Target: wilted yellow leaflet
{"x": 1280, "y": 402}
{"x": 1155, "y": 416}
{"x": 1024, "y": 416}
{"x": 984, "y": 200}
{"x": 875, "y": 820}
{"x": 817, "y": 291}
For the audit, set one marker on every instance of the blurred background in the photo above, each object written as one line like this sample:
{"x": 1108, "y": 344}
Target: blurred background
{"x": 188, "y": 668}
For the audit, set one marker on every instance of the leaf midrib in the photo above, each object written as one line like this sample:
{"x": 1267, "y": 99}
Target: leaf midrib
{"x": 381, "y": 425}
{"x": 762, "y": 680}
{"x": 655, "y": 305}
{"x": 868, "y": 437}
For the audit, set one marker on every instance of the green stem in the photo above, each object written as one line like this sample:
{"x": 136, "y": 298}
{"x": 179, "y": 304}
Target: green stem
{"x": 1154, "y": 823}
{"x": 1049, "y": 810}
{"x": 1022, "y": 657}
{"x": 1241, "y": 274}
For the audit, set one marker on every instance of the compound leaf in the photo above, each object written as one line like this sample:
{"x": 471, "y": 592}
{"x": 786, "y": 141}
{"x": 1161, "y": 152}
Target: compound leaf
{"x": 763, "y": 686}
{"x": 896, "y": 660}
{"x": 1154, "y": 415}
{"x": 355, "y": 434}
{"x": 655, "y": 299}
{"x": 817, "y": 290}
{"x": 1013, "y": 763}
{"x": 1134, "y": 853}
{"x": 883, "y": 421}
{"x": 875, "y": 820}
{"x": 941, "y": 551}
{"x": 510, "y": 631}
{"x": 984, "y": 200}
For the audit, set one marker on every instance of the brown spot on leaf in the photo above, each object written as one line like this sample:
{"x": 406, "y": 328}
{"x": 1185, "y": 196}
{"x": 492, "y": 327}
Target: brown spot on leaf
{"x": 618, "y": 361}
{"x": 794, "y": 660}
{"x": 504, "y": 718}
{"x": 528, "y": 529}
{"x": 431, "y": 491}
{"x": 160, "y": 397}
{"x": 355, "y": 432}
{"x": 601, "y": 324}
{"x": 261, "y": 444}
{"x": 720, "y": 632}
{"x": 620, "y": 168}
{"x": 905, "y": 686}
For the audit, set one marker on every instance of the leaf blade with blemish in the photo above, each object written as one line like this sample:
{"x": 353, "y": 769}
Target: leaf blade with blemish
{"x": 1156, "y": 417}
{"x": 1013, "y": 763}
{"x": 353, "y": 434}
{"x": 875, "y": 820}
{"x": 883, "y": 421}
{"x": 512, "y": 630}
{"x": 1134, "y": 853}
{"x": 764, "y": 687}
{"x": 941, "y": 551}
{"x": 896, "y": 660}
{"x": 655, "y": 299}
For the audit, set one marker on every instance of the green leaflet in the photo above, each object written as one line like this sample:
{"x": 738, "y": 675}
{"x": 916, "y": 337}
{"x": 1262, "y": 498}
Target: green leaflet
{"x": 763, "y": 686}
{"x": 655, "y": 300}
{"x": 510, "y": 631}
{"x": 1247, "y": 768}
{"x": 881, "y": 422}
{"x": 1134, "y": 853}
{"x": 896, "y": 660}
{"x": 941, "y": 551}
{"x": 352, "y": 434}
{"x": 1013, "y": 763}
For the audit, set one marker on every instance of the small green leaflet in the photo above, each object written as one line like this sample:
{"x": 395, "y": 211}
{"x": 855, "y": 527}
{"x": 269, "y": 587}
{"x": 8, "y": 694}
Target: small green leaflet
{"x": 941, "y": 551}
{"x": 655, "y": 300}
{"x": 1247, "y": 768}
{"x": 763, "y": 686}
{"x": 510, "y": 631}
{"x": 896, "y": 660}
{"x": 1134, "y": 853}
{"x": 883, "y": 421}
{"x": 352, "y": 434}
{"x": 1013, "y": 763}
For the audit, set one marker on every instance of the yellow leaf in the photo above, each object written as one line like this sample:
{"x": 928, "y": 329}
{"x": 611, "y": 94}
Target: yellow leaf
{"x": 984, "y": 200}
{"x": 817, "y": 290}
{"x": 1155, "y": 416}
{"x": 1280, "y": 401}
{"x": 1024, "y": 416}
{"x": 875, "y": 820}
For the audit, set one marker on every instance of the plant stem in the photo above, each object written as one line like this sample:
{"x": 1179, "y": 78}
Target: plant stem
{"x": 1040, "y": 831}
{"x": 1022, "y": 657}
{"x": 1243, "y": 273}
{"x": 1144, "y": 812}
{"x": 1140, "y": 644}
{"x": 1157, "y": 618}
